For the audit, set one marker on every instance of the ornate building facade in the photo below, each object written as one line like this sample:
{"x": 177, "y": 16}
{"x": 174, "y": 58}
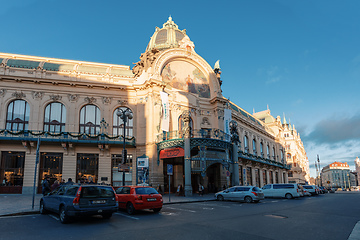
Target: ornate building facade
{"x": 168, "y": 112}
{"x": 336, "y": 175}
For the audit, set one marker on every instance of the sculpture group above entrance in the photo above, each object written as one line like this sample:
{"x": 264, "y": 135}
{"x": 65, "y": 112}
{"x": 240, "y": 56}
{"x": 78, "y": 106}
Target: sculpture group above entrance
{"x": 186, "y": 77}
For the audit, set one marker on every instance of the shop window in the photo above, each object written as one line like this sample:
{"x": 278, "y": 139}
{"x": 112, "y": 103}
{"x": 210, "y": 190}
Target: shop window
{"x": 118, "y": 123}
{"x": 55, "y": 117}
{"x": 18, "y": 113}
{"x": 118, "y": 169}
{"x": 90, "y": 119}
{"x": 87, "y": 167}
{"x": 249, "y": 176}
{"x": 12, "y": 169}
{"x": 50, "y": 165}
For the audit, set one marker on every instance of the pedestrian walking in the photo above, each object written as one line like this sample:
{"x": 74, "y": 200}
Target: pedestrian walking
{"x": 46, "y": 186}
{"x": 201, "y": 189}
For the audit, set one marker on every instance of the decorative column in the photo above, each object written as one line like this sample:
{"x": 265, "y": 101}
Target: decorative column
{"x": 235, "y": 141}
{"x": 186, "y": 116}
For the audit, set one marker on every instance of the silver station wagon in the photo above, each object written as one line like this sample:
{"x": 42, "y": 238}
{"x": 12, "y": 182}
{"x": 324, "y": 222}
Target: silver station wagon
{"x": 241, "y": 193}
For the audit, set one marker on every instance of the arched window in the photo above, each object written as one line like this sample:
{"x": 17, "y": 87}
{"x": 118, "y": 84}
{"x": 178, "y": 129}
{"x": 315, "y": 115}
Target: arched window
{"x": 262, "y": 149}
{"x": 274, "y": 156}
{"x": 268, "y": 151}
{"x": 55, "y": 117}
{"x": 118, "y": 122}
{"x": 90, "y": 119}
{"x": 246, "y": 144}
{"x": 18, "y": 113}
{"x": 282, "y": 155}
{"x": 254, "y": 147}
{"x": 288, "y": 156}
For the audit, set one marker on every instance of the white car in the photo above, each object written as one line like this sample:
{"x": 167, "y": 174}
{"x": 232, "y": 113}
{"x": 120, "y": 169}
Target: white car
{"x": 241, "y": 193}
{"x": 282, "y": 190}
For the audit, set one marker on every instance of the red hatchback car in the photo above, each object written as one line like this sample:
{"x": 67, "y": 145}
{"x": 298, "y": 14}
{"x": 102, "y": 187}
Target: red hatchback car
{"x": 134, "y": 198}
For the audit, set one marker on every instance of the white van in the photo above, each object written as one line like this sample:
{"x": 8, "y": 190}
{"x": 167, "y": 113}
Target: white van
{"x": 283, "y": 190}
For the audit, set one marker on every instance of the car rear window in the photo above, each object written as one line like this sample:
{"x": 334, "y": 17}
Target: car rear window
{"x": 72, "y": 191}
{"x": 256, "y": 189}
{"x": 145, "y": 190}
{"x": 96, "y": 192}
{"x": 307, "y": 187}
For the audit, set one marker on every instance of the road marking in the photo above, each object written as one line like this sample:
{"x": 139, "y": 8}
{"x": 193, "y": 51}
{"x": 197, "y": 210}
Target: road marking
{"x": 124, "y": 215}
{"x": 213, "y": 205}
{"x": 181, "y": 209}
{"x": 54, "y": 217}
{"x": 168, "y": 213}
{"x": 205, "y": 208}
{"x": 274, "y": 201}
{"x": 18, "y": 216}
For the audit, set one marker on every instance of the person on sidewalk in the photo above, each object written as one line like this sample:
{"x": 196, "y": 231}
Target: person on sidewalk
{"x": 69, "y": 182}
{"x": 55, "y": 185}
{"x": 46, "y": 186}
{"x": 201, "y": 189}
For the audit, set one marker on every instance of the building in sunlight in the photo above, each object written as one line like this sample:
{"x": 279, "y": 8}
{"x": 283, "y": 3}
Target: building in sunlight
{"x": 117, "y": 124}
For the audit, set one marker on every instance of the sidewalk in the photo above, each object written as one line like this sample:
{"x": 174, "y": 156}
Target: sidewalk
{"x": 17, "y": 204}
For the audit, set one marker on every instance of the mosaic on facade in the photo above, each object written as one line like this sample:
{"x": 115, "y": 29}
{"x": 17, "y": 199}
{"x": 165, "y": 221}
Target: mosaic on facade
{"x": 185, "y": 76}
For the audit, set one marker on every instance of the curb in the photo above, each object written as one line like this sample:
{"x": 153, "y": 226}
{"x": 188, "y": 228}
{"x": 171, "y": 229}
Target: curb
{"x": 38, "y": 212}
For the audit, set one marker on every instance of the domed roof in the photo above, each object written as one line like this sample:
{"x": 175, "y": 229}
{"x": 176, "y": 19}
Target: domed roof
{"x": 166, "y": 37}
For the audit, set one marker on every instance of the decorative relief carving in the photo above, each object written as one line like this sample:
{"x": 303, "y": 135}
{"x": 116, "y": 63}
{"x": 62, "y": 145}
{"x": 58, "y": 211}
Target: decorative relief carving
{"x": 19, "y": 95}
{"x": 37, "y": 95}
{"x": 73, "y": 97}
{"x": 90, "y": 100}
{"x": 106, "y": 100}
{"x": 55, "y": 97}
{"x": 186, "y": 116}
{"x": 146, "y": 60}
{"x": 122, "y": 102}
{"x": 205, "y": 121}
{"x": 2, "y": 92}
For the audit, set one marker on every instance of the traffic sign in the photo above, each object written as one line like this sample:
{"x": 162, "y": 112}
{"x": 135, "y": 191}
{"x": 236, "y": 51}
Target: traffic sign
{"x": 227, "y": 173}
{"x": 170, "y": 169}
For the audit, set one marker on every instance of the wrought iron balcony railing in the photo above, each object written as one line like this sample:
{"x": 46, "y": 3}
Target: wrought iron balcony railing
{"x": 28, "y": 135}
{"x": 262, "y": 160}
{"x": 196, "y": 133}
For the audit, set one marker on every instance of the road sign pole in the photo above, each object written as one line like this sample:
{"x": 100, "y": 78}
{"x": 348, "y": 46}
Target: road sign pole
{"x": 169, "y": 187}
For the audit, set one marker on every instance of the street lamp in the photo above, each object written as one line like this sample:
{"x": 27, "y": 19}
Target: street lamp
{"x": 124, "y": 115}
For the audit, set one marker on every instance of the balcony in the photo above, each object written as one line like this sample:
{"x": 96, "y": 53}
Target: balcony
{"x": 71, "y": 137}
{"x": 263, "y": 160}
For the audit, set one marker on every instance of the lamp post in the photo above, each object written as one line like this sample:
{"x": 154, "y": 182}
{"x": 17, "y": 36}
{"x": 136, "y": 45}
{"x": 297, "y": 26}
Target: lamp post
{"x": 124, "y": 115}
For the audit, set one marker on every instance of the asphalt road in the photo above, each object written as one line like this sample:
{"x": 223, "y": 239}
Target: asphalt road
{"x": 329, "y": 216}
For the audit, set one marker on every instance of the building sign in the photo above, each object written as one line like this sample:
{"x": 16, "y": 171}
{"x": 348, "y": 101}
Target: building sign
{"x": 165, "y": 111}
{"x": 227, "y": 119}
{"x": 172, "y": 153}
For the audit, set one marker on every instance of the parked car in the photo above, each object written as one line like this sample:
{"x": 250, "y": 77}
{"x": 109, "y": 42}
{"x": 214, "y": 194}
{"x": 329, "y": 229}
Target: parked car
{"x": 323, "y": 190}
{"x": 332, "y": 190}
{"x": 241, "y": 193}
{"x": 306, "y": 192}
{"x": 312, "y": 189}
{"x": 134, "y": 198}
{"x": 284, "y": 190}
{"x": 75, "y": 200}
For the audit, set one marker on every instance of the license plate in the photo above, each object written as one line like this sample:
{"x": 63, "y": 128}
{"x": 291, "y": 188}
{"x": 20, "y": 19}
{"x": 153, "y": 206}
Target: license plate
{"x": 151, "y": 199}
{"x": 98, "y": 201}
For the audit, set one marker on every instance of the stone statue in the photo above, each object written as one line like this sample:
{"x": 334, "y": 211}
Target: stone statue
{"x": 234, "y": 132}
{"x": 146, "y": 61}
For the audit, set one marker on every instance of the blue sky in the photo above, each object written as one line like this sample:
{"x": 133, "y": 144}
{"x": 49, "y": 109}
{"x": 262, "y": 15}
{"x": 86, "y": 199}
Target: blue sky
{"x": 300, "y": 58}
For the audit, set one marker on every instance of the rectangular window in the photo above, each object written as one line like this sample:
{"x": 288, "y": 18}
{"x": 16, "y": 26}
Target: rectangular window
{"x": 87, "y": 167}
{"x": 264, "y": 177}
{"x": 248, "y": 176}
{"x": 12, "y": 169}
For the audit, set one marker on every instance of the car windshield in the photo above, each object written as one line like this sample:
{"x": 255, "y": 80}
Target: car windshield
{"x": 146, "y": 190}
{"x": 96, "y": 191}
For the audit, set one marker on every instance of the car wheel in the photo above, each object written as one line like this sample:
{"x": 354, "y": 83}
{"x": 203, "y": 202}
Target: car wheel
{"x": 130, "y": 208}
{"x": 220, "y": 198}
{"x": 156, "y": 210}
{"x": 288, "y": 196}
{"x": 42, "y": 208}
{"x": 248, "y": 199}
{"x": 62, "y": 215}
{"x": 107, "y": 215}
